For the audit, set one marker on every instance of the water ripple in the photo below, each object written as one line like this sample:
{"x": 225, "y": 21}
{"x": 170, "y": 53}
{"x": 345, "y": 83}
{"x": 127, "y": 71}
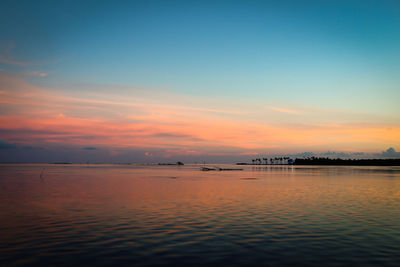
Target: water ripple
{"x": 142, "y": 216}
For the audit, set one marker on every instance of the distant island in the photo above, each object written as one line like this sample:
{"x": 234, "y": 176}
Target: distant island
{"x": 348, "y": 162}
{"x": 179, "y": 163}
{"x": 324, "y": 161}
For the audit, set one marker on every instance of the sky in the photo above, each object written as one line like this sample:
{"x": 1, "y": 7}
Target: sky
{"x": 215, "y": 81}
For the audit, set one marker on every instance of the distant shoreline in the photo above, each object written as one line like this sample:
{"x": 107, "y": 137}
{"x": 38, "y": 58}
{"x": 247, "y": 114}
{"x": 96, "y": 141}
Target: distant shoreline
{"x": 335, "y": 162}
{"x": 314, "y": 161}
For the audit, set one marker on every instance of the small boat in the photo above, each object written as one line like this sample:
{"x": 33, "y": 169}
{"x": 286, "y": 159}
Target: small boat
{"x": 220, "y": 169}
{"x": 207, "y": 169}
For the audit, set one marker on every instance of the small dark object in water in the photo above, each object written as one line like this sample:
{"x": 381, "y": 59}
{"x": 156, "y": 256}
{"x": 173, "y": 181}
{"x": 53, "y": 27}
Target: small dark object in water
{"x": 178, "y": 163}
{"x": 219, "y": 169}
{"x": 41, "y": 173}
{"x": 208, "y": 169}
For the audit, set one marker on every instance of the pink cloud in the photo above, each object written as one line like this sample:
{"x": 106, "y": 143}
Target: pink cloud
{"x": 33, "y": 115}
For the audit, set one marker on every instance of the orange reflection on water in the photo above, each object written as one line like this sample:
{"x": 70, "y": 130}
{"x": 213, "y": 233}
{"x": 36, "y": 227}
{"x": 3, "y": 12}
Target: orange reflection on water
{"x": 149, "y": 209}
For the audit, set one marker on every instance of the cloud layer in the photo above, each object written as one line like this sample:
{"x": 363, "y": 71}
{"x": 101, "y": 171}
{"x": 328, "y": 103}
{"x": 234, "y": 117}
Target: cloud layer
{"x": 169, "y": 125}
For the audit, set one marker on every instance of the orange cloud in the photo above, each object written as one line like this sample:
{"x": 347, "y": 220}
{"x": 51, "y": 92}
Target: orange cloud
{"x": 33, "y": 115}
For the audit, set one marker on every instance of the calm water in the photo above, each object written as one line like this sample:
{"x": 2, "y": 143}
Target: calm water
{"x": 167, "y": 215}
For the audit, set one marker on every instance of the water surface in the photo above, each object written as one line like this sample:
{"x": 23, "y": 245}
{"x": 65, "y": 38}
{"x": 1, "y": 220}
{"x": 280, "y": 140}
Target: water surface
{"x": 105, "y": 215}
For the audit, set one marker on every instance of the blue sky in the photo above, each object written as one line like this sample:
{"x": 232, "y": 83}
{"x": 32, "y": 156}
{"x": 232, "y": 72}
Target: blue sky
{"x": 342, "y": 56}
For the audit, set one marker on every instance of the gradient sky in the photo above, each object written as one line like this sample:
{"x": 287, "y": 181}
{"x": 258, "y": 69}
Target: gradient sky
{"x": 151, "y": 81}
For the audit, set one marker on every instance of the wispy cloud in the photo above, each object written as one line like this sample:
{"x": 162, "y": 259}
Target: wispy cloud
{"x": 36, "y": 74}
{"x": 35, "y": 116}
{"x": 7, "y": 57}
{"x": 284, "y": 110}
{"x": 8, "y": 60}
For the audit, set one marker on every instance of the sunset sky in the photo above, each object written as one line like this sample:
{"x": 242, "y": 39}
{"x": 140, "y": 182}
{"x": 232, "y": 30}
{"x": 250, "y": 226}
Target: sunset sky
{"x": 223, "y": 81}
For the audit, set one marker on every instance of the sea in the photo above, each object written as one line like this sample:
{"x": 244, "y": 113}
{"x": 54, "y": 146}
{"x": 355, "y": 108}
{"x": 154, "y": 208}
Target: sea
{"x": 150, "y": 215}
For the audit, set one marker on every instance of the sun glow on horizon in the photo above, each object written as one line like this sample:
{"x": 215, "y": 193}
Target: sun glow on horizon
{"x": 37, "y": 116}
